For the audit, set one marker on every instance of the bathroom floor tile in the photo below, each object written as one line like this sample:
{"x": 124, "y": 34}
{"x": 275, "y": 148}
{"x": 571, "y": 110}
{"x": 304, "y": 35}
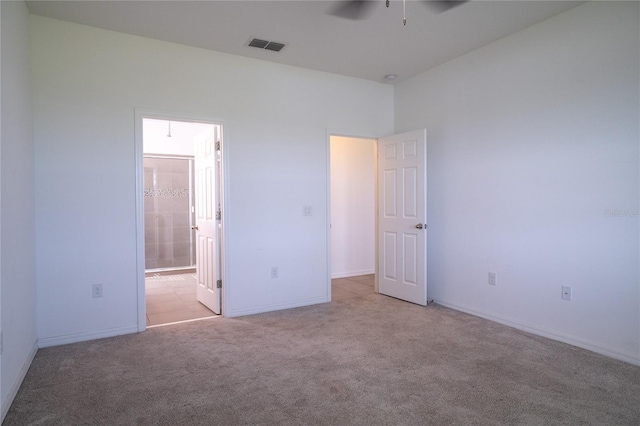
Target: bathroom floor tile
{"x": 172, "y": 298}
{"x": 153, "y": 299}
{"x": 185, "y": 290}
{"x": 167, "y": 317}
{"x": 158, "y": 290}
{"x": 162, "y": 307}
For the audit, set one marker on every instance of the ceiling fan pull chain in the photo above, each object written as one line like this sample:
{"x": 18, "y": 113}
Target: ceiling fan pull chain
{"x": 404, "y": 12}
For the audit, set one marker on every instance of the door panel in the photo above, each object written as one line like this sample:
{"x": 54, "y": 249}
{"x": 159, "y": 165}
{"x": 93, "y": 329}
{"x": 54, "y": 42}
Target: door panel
{"x": 390, "y": 249}
{"x": 410, "y": 255}
{"x": 402, "y": 193}
{"x": 410, "y": 193}
{"x": 390, "y": 193}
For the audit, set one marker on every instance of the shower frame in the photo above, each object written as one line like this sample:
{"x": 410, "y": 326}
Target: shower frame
{"x": 192, "y": 254}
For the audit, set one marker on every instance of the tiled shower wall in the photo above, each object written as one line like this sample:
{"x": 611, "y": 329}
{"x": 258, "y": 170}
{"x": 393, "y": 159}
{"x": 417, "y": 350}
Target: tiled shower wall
{"x": 168, "y": 195}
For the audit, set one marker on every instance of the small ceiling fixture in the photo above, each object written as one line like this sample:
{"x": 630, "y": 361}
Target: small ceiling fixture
{"x": 266, "y": 45}
{"x": 390, "y": 78}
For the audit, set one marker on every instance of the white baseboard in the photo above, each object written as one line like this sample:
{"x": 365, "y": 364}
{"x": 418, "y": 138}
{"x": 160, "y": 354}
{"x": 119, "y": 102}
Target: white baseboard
{"x": 81, "y": 337}
{"x": 15, "y": 386}
{"x": 533, "y": 329}
{"x": 352, "y": 273}
{"x": 275, "y": 307}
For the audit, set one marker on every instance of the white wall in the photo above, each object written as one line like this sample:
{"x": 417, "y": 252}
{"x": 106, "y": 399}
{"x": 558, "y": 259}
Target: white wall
{"x": 353, "y": 203}
{"x": 533, "y": 142}
{"x": 87, "y": 83}
{"x": 17, "y": 223}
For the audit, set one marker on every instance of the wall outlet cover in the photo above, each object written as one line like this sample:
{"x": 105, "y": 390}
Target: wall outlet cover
{"x": 493, "y": 279}
{"x": 97, "y": 290}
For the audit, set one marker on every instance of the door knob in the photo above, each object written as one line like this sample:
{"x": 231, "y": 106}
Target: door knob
{"x": 419, "y": 226}
{"x": 195, "y": 228}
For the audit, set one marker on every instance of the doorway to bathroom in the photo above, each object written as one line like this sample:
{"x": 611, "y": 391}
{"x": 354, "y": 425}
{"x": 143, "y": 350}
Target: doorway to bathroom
{"x": 181, "y": 204}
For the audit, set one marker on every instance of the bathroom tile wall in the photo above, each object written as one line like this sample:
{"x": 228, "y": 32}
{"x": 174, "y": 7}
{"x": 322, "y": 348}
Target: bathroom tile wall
{"x": 167, "y": 215}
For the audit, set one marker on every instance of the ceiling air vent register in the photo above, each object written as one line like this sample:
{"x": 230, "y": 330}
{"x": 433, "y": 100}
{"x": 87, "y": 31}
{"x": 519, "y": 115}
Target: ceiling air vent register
{"x": 266, "y": 45}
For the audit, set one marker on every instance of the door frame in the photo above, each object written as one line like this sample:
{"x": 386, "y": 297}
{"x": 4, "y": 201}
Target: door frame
{"x": 331, "y": 134}
{"x": 139, "y": 115}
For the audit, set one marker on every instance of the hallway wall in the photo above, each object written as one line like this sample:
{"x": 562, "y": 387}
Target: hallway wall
{"x": 353, "y": 206}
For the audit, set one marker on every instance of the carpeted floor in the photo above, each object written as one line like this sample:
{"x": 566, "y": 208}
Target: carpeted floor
{"x": 363, "y": 359}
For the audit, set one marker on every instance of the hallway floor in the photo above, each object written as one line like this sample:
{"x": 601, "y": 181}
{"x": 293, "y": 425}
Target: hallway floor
{"x": 343, "y": 289}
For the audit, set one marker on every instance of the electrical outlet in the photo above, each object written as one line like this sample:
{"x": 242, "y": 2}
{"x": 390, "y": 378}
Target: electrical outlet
{"x": 566, "y": 292}
{"x": 97, "y": 290}
{"x": 307, "y": 210}
{"x": 274, "y": 272}
{"x": 493, "y": 278}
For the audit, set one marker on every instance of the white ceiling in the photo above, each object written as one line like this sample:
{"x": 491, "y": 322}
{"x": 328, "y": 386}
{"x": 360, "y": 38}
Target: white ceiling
{"x": 368, "y": 49}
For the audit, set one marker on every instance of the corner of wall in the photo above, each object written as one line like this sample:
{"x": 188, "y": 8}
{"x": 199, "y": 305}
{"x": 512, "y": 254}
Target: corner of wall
{"x": 15, "y": 386}
{"x": 17, "y": 221}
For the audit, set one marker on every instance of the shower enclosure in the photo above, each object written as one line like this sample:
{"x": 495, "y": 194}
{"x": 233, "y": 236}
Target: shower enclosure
{"x": 169, "y": 212}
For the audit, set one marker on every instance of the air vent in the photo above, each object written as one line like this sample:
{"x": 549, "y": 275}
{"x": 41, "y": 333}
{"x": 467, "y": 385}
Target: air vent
{"x": 260, "y": 44}
{"x": 266, "y": 45}
{"x": 276, "y": 47}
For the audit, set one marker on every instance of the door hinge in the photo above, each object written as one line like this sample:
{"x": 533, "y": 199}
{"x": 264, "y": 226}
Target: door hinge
{"x": 218, "y": 215}
{"x": 219, "y": 283}
{"x": 218, "y": 146}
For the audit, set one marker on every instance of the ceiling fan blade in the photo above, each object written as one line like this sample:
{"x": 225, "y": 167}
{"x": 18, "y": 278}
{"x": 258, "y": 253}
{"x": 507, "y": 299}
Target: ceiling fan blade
{"x": 439, "y": 6}
{"x": 352, "y": 9}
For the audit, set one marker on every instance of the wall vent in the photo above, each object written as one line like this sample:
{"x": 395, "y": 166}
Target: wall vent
{"x": 266, "y": 45}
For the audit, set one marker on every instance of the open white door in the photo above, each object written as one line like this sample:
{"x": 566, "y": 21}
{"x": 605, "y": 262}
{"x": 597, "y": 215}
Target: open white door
{"x": 207, "y": 230}
{"x": 402, "y": 214}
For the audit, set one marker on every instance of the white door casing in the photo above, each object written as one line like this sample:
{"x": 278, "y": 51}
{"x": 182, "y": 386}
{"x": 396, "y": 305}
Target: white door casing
{"x": 402, "y": 216}
{"x": 207, "y": 166}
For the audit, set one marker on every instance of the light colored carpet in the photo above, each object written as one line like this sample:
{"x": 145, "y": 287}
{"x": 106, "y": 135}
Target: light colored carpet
{"x": 369, "y": 360}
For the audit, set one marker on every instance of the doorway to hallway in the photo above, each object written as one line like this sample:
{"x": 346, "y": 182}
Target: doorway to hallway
{"x": 353, "y": 210}
{"x": 389, "y": 175}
